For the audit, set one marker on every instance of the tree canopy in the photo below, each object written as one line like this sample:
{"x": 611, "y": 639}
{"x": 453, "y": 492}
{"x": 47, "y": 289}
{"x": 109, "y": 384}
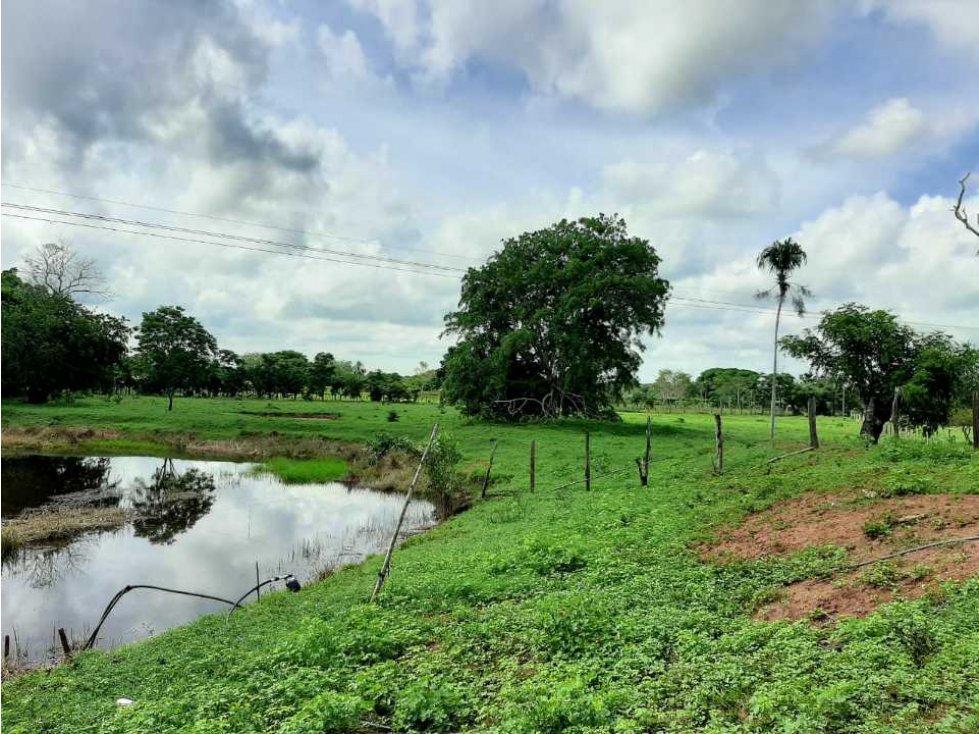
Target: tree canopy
{"x": 52, "y": 344}
{"x": 553, "y": 323}
{"x": 174, "y": 351}
{"x": 876, "y": 355}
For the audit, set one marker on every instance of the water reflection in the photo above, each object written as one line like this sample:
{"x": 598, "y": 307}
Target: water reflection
{"x": 171, "y": 502}
{"x": 200, "y": 526}
{"x": 32, "y": 481}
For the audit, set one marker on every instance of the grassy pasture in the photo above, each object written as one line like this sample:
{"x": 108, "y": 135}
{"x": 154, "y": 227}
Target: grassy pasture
{"x": 561, "y": 610}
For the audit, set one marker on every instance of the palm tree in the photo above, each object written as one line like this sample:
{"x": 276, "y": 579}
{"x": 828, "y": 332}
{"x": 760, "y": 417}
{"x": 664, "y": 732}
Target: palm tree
{"x": 781, "y": 259}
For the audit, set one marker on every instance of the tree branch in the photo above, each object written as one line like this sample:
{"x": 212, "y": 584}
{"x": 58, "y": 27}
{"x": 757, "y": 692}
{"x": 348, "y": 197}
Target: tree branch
{"x": 960, "y": 213}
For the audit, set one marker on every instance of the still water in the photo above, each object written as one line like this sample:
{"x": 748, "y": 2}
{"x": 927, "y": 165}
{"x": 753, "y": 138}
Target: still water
{"x": 197, "y": 525}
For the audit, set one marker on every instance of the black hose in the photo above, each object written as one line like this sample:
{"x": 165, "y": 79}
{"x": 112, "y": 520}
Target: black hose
{"x": 256, "y": 587}
{"x": 126, "y": 589}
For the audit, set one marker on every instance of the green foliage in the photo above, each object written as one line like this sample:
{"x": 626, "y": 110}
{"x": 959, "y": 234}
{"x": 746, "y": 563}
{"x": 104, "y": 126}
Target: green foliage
{"x": 875, "y": 354}
{"x": 51, "y": 344}
{"x": 383, "y": 443}
{"x": 880, "y": 526}
{"x": 174, "y": 351}
{"x": 552, "y": 325}
{"x": 555, "y": 611}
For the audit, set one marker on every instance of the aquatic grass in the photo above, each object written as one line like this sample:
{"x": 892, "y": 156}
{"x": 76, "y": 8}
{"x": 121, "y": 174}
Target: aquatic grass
{"x": 59, "y": 523}
{"x": 305, "y": 471}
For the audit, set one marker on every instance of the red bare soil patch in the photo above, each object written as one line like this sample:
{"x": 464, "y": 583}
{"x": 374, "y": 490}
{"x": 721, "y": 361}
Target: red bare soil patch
{"x": 898, "y": 523}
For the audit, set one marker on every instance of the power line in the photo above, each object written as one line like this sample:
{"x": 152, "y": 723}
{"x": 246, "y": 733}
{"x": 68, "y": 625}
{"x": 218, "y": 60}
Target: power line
{"x": 231, "y": 220}
{"x": 338, "y": 256}
{"x": 223, "y": 235}
{"x": 225, "y": 244}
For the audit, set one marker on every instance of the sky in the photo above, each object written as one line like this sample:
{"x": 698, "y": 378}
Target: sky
{"x": 428, "y": 131}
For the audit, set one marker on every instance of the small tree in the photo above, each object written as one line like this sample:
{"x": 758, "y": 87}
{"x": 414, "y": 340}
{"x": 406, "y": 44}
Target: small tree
{"x": 781, "y": 259}
{"x": 56, "y": 267}
{"x": 321, "y": 373}
{"x": 175, "y": 351}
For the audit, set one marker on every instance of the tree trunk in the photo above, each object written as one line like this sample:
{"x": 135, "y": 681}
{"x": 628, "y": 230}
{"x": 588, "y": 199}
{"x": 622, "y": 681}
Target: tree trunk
{"x": 778, "y": 317}
{"x": 170, "y": 400}
{"x": 875, "y": 415}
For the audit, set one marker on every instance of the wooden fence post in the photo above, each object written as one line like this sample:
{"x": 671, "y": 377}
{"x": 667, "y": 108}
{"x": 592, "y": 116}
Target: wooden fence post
{"x": 533, "y": 465}
{"x": 587, "y": 461}
{"x": 719, "y": 444}
{"x": 896, "y": 412}
{"x": 645, "y": 460}
{"x": 975, "y": 420}
{"x": 489, "y": 468}
{"x": 64, "y": 642}
{"x": 386, "y": 565}
{"x": 813, "y": 438}
{"x": 6, "y": 646}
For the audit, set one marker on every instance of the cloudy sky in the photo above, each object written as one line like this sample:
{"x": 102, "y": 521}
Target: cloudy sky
{"x": 426, "y": 131}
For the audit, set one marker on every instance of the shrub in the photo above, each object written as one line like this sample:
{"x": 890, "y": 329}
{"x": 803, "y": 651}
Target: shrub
{"x": 384, "y": 443}
{"x": 879, "y": 527}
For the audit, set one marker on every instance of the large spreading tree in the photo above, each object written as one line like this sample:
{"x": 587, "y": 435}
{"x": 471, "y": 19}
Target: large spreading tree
{"x": 552, "y": 324}
{"x": 877, "y": 355}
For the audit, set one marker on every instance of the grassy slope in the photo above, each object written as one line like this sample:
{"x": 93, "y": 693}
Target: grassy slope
{"x": 548, "y": 612}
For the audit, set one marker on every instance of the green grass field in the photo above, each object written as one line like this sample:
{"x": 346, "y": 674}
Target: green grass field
{"x": 561, "y": 610}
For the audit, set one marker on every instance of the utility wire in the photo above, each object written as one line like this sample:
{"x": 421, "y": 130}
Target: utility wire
{"x": 221, "y": 235}
{"x": 335, "y": 256}
{"x": 226, "y": 244}
{"x": 231, "y": 220}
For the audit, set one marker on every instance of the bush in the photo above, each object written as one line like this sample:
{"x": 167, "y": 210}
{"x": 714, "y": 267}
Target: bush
{"x": 384, "y": 443}
{"x": 879, "y": 527}
{"x": 445, "y": 482}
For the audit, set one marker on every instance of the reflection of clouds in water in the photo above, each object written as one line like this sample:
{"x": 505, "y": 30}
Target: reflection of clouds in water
{"x": 300, "y": 529}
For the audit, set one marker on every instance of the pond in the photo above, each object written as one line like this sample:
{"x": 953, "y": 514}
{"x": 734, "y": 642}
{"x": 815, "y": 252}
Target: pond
{"x": 193, "y": 525}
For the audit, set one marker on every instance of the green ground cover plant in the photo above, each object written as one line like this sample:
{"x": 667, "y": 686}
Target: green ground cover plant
{"x": 553, "y": 611}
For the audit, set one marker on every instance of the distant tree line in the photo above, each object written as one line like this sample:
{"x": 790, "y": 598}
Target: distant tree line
{"x": 52, "y": 345}
{"x": 738, "y": 391}
{"x": 862, "y": 361}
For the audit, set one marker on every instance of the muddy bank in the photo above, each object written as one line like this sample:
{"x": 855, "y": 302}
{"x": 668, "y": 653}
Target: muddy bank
{"x": 18, "y": 440}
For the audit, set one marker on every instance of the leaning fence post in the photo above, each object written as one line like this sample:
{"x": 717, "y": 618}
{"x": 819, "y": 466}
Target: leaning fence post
{"x": 587, "y": 461}
{"x": 489, "y": 468}
{"x": 813, "y": 438}
{"x": 65, "y": 645}
{"x": 533, "y": 465}
{"x": 386, "y": 566}
{"x": 719, "y": 444}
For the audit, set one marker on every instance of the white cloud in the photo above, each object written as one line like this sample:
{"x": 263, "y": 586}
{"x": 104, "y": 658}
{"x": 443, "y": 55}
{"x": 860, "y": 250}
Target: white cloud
{"x": 888, "y": 129}
{"x": 346, "y": 63}
{"x": 705, "y": 183}
{"x": 640, "y": 58}
{"x": 954, "y": 23}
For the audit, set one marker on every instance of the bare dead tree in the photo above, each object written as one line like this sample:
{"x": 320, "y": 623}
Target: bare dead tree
{"x": 57, "y": 267}
{"x": 960, "y": 213}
